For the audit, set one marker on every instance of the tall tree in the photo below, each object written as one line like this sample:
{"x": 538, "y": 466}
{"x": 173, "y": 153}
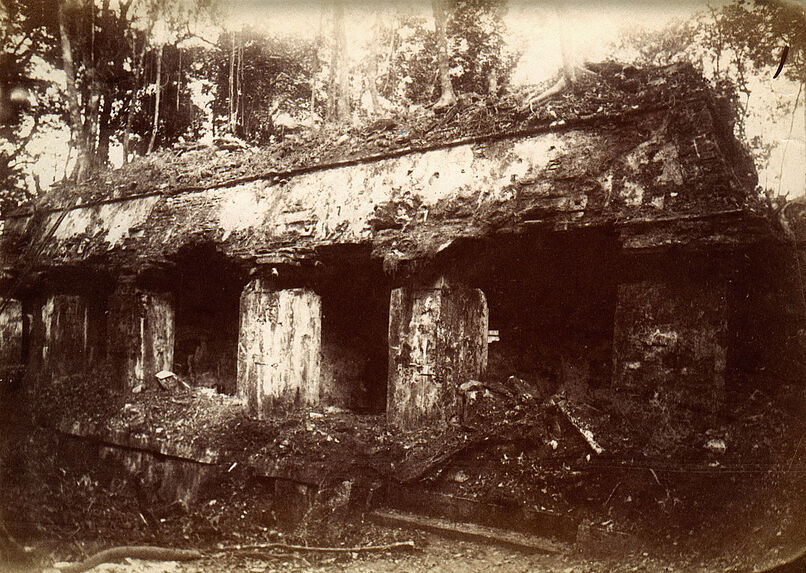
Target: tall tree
{"x": 270, "y": 78}
{"x": 157, "y": 99}
{"x": 343, "y": 92}
{"x": 479, "y": 60}
{"x": 78, "y": 135}
{"x": 338, "y": 102}
{"x": 136, "y": 84}
{"x": 447, "y": 97}
{"x": 27, "y": 105}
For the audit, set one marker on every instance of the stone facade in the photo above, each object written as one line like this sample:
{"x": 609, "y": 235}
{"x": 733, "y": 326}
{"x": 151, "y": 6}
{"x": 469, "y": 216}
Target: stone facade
{"x": 650, "y": 178}
{"x": 670, "y": 342}
{"x": 63, "y": 328}
{"x": 10, "y": 332}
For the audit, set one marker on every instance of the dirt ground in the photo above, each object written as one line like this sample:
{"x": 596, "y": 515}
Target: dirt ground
{"x": 432, "y": 553}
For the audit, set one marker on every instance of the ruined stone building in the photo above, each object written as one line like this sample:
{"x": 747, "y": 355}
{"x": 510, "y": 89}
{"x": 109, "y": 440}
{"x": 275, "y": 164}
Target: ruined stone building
{"x": 606, "y": 244}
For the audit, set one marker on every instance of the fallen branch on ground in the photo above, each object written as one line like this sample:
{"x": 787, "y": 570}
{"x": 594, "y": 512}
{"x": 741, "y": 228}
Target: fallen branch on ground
{"x": 132, "y": 552}
{"x": 367, "y": 548}
{"x": 586, "y": 434}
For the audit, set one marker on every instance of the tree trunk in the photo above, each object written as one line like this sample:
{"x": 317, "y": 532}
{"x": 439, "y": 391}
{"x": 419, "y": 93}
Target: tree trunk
{"x": 331, "y": 84}
{"x": 104, "y": 131}
{"x": 569, "y": 66}
{"x": 391, "y": 71}
{"x": 135, "y": 96}
{"x": 178, "y": 77}
{"x": 93, "y": 105}
{"x": 316, "y": 63}
{"x": 157, "y": 98}
{"x": 240, "y": 111}
{"x": 233, "y": 118}
{"x": 338, "y": 102}
{"x": 571, "y": 71}
{"x": 372, "y": 68}
{"x": 343, "y": 97}
{"x": 83, "y": 159}
{"x": 447, "y": 97}
{"x": 113, "y": 67}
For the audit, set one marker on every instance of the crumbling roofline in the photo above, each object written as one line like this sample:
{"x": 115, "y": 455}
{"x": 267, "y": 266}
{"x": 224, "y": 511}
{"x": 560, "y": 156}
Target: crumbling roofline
{"x": 674, "y": 218}
{"x": 556, "y": 126}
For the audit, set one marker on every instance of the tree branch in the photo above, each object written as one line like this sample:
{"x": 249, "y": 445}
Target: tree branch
{"x": 133, "y": 552}
{"x": 190, "y": 34}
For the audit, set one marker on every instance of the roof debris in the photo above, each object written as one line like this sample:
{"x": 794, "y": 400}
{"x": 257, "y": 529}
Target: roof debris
{"x": 612, "y": 90}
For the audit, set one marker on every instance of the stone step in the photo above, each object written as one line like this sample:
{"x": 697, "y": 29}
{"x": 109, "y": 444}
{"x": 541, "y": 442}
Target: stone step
{"x": 528, "y": 520}
{"x": 470, "y": 531}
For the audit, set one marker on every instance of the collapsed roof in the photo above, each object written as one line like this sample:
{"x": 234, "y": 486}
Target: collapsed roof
{"x": 649, "y": 152}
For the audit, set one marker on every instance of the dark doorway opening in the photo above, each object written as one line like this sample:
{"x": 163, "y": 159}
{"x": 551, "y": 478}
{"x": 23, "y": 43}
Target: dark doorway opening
{"x": 207, "y": 289}
{"x": 552, "y": 300}
{"x": 355, "y": 319}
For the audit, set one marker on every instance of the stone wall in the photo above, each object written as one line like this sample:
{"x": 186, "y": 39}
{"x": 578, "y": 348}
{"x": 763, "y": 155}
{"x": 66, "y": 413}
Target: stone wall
{"x": 66, "y": 334}
{"x": 10, "y": 332}
{"x": 670, "y": 342}
{"x": 141, "y": 333}
{"x": 279, "y": 348}
{"x": 654, "y": 165}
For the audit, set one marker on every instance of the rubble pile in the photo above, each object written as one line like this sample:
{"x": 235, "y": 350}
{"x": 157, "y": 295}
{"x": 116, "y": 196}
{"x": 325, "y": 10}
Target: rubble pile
{"x": 512, "y": 446}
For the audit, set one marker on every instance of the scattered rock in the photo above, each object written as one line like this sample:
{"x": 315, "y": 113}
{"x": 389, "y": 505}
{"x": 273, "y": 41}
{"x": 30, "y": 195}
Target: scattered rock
{"x": 716, "y": 446}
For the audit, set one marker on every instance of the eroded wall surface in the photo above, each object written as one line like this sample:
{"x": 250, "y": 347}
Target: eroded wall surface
{"x": 66, "y": 325}
{"x": 10, "y": 332}
{"x": 670, "y": 342}
{"x": 653, "y": 166}
{"x": 437, "y": 341}
{"x": 141, "y": 327}
{"x": 279, "y": 348}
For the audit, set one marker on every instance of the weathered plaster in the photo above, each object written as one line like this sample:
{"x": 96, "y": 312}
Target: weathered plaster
{"x": 670, "y": 342}
{"x": 10, "y": 332}
{"x": 437, "y": 341}
{"x": 112, "y": 222}
{"x": 279, "y": 347}
{"x": 141, "y": 331}
{"x": 64, "y": 330}
{"x": 409, "y": 205}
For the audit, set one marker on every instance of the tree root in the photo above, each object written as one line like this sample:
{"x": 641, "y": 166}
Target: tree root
{"x": 567, "y": 80}
{"x": 133, "y": 552}
{"x": 286, "y": 546}
{"x": 169, "y": 554}
{"x": 556, "y": 89}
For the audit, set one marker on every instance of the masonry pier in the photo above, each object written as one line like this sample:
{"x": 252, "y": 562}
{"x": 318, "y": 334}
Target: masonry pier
{"x": 279, "y": 346}
{"x": 141, "y": 332}
{"x": 437, "y": 341}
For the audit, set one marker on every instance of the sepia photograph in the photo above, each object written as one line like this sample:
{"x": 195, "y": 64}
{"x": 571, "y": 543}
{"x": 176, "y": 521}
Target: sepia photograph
{"x": 402, "y": 286}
